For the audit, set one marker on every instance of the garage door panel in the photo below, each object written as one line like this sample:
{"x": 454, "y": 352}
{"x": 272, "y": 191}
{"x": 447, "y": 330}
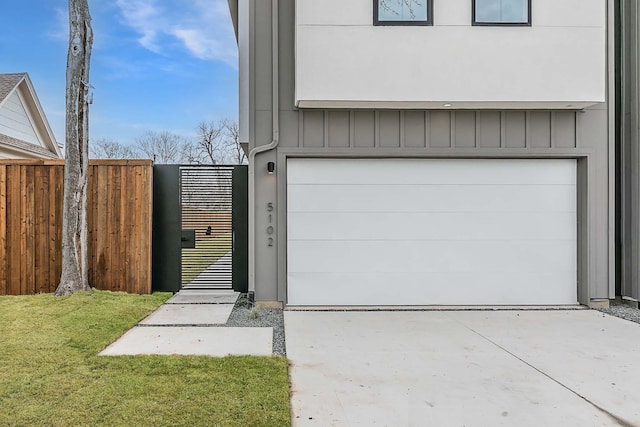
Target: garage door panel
{"x": 422, "y": 232}
{"x": 438, "y": 226}
{"x": 429, "y": 198}
{"x": 429, "y": 289}
{"x": 429, "y": 256}
{"x": 430, "y": 171}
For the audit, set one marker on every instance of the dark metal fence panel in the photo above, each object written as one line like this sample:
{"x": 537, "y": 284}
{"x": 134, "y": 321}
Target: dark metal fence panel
{"x": 166, "y": 228}
{"x": 240, "y": 229}
{"x": 206, "y": 207}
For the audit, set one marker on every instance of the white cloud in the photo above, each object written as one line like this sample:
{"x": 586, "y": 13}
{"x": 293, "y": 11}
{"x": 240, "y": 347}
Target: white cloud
{"x": 59, "y": 29}
{"x": 201, "y": 27}
{"x": 204, "y": 47}
{"x": 145, "y": 18}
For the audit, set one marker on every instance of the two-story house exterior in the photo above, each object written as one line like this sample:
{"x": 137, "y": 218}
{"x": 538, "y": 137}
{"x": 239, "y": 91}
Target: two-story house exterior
{"x": 429, "y": 152}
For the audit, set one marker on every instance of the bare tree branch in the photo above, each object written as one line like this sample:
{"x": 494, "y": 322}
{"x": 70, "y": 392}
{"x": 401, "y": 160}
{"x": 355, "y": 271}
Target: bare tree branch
{"x": 232, "y": 130}
{"x": 210, "y": 142}
{"x": 161, "y": 147}
{"x": 110, "y": 149}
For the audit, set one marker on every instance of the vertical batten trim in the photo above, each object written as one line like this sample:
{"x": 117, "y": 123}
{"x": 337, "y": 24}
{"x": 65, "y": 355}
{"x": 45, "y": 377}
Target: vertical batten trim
{"x": 503, "y": 129}
{"x": 552, "y": 129}
{"x": 427, "y": 129}
{"x": 352, "y": 129}
{"x": 527, "y": 129}
{"x": 376, "y": 129}
{"x": 452, "y": 129}
{"x": 578, "y": 131}
{"x": 478, "y": 135}
{"x": 326, "y": 128}
{"x": 300, "y": 128}
{"x": 575, "y": 129}
{"x": 402, "y": 133}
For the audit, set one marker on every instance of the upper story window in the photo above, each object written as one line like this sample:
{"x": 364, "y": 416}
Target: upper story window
{"x": 502, "y": 12}
{"x": 403, "y": 12}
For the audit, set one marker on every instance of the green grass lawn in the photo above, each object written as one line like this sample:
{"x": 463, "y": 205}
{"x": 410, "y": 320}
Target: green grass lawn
{"x": 208, "y": 250}
{"x": 50, "y": 374}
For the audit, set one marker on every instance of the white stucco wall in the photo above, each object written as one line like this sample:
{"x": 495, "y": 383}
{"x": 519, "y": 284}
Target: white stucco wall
{"x": 342, "y": 60}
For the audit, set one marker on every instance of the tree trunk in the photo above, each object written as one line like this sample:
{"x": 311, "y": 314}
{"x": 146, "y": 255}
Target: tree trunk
{"x": 74, "y": 227}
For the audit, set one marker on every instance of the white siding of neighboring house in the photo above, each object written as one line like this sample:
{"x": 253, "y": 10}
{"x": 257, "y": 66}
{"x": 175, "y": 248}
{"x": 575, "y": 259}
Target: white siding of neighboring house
{"x": 342, "y": 60}
{"x": 6, "y": 154}
{"x": 15, "y": 121}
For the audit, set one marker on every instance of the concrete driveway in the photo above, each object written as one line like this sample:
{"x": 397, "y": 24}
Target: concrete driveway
{"x": 463, "y": 368}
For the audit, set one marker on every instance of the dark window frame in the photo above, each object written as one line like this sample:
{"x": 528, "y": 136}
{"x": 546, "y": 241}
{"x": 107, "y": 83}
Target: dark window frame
{"x": 499, "y": 24}
{"x": 421, "y": 23}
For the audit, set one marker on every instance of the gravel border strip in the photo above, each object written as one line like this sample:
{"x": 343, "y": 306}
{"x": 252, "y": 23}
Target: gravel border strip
{"x": 623, "y": 311}
{"x": 243, "y": 315}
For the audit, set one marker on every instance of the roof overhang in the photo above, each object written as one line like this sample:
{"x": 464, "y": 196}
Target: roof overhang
{"x": 446, "y": 105}
{"x": 25, "y": 149}
{"x": 233, "y": 8}
{"x": 39, "y": 117}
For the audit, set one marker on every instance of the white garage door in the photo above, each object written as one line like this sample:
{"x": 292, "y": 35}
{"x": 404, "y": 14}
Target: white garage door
{"x": 431, "y": 232}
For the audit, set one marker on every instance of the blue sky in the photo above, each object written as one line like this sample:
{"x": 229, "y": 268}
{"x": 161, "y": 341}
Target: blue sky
{"x": 161, "y": 65}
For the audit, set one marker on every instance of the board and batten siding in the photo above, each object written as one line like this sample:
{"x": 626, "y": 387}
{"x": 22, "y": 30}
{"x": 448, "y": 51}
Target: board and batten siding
{"x": 432, "y": 129}
{"x": 15, "y": 121}
{"x": 119, "y": 226}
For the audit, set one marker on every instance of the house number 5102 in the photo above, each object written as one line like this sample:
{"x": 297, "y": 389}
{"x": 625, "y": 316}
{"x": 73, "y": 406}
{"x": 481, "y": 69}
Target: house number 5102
{"x": 270, "y": 229}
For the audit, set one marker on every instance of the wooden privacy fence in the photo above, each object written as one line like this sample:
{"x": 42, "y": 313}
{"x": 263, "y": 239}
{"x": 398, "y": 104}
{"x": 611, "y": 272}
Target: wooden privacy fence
{"x": 119, "y": 224}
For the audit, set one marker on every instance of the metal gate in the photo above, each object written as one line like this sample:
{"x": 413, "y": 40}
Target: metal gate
{"x": 200, "y": 235}
{"x": 207, "y": 226}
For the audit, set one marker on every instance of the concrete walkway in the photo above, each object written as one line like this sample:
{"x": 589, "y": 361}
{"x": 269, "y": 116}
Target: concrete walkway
{"x": 192, "y": 323}
{"x": 219, "y": 275}
{"x": 482, "y": 368}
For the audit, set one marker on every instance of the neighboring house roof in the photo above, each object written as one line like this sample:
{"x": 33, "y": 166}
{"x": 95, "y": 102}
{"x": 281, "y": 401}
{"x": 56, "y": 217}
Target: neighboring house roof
{"x": 24, "y": 129}
{"x": 8, "y": 82}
